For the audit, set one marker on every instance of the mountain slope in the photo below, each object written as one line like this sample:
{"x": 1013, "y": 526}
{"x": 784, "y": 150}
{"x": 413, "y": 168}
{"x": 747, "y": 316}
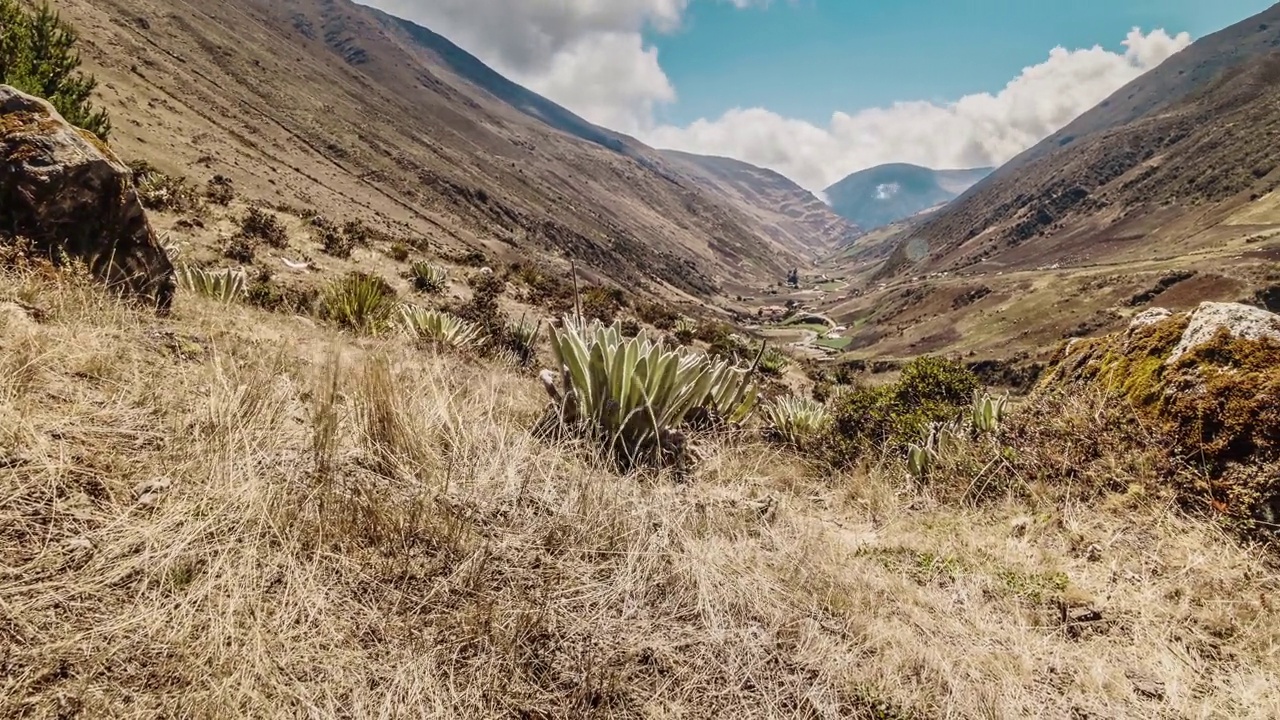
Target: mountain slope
{"x": 1165, "y": 159}
{"x": 792, "y": 215}
{"x": 886, "y": 194}
{"x": 344, "y": 110}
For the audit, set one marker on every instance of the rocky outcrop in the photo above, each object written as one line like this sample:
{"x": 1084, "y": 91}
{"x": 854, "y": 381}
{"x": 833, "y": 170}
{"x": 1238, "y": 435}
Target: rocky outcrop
{"x": 64, "y": 190}
{"x": 1209, "y": 381}
{"x": 1240, "y": 321}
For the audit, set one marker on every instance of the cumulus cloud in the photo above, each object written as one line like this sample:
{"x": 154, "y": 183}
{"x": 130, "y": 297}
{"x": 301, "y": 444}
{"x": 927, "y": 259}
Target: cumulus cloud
{"x": 590, "y": 56}
{"x": 975, "y": 131}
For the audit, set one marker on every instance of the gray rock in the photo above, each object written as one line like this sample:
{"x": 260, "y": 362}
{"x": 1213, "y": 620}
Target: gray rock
{"x": 1242, "y": 321}
{"x": 67, "y": 192}
{"x": 1149, "y": 317}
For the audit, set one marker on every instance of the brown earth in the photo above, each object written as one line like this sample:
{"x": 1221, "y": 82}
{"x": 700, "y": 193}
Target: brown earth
{"x": 329, "y": 107}
{"x": 793, "y": 216}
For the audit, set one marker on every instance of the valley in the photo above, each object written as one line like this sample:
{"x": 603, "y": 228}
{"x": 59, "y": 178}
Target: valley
{"x": 343, "y": 377}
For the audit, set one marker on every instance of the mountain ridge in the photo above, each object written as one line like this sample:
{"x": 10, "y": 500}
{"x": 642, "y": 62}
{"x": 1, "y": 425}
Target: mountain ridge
{"x": 885, "y": 194}
{"x": 787, "y": 209}
{"x": 334, "y": 107}
{"x": 1070, "y": 197}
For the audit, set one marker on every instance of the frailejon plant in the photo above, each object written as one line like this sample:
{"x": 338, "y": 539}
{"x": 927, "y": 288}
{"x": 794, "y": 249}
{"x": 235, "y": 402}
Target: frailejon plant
{"x": 225, "y": 286}
{"x": 427, "y": 278}
{"x": 439, "y": 328}
{"x": 987, "y": 412}
{"x": 796, "y": 420}
{"x": 774, "y": 362}
{"x": 684, "y": 330}
{"x": 942, "y": 441}
{"x": 631, "y": 396}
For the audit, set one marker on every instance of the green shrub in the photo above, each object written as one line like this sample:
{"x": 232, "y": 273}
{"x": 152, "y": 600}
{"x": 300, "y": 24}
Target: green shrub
{"x": 659, "y": 315}
{"x": 630, "y": 397}
{"x": 356, "y": 232}
{"x": 931, "y": 379}
{"x": 158, "y": 191}
{"x": 333, "y": 241}
{"x": 630, "y": 327}
{"x": 929, "y": 390}
{"x": 264, "y": 225}
{"x": 714, "y": 332}
{"x": 542, "y": 287}
{"x": 359, "y": 301}
{"x": 239, "y": 248}
{"x": 219, "y": 190}
{"x": 398, "y": 251}
{"x": 38, "y": 56}
{"x": 602, "y": 303}
{"x": 483, "y": 309}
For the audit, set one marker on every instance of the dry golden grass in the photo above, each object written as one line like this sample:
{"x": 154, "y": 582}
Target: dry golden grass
{"x": 233, "y": 514}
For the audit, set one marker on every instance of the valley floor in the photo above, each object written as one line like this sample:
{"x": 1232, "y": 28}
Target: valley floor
{"x": 230, "y": 513}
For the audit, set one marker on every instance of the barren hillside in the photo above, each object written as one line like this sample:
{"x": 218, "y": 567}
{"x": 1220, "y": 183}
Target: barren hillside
{"x": 332, "y": 107}
{"x": 1154, "y": 168}
{"x": 794, "y": 216}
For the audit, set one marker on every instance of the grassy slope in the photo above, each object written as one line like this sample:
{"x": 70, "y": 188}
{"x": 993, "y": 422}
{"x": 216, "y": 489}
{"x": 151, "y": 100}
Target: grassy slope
{"x": 231, "y": 513}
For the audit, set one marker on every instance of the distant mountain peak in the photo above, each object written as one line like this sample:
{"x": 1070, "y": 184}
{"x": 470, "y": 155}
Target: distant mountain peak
{"x": 885, "y": 194}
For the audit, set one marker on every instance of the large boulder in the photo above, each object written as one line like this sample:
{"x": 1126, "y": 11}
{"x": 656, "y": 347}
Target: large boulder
{"x": 1209, "y": 381}
{"x": 65, "y": 191}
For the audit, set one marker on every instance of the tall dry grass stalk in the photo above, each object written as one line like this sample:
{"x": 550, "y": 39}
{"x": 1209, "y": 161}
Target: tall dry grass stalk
{"x": 231, "y": 514}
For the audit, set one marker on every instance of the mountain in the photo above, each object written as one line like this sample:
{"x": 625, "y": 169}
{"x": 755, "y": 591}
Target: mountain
{"x": 793, "y": 216}
{"x": 885, "y": 194}
{"x": 1189, "y": 147}
{"x": 331, "y": 107}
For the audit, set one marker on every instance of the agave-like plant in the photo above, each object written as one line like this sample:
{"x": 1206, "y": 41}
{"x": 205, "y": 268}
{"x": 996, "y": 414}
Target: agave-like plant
{"x": 773, "y": 362}
{"x": 987, "y": 412}
{"x": 225, "y": 286}
{"x": 359, "y": 301}
{"x": 631, "y": 395}
{"x": 522, "y": 340}
{"x": 942, "y": 440}
{"x": 684, "y": 330}
{"x": 795, "y": 419}
{"x": 440, "y": 328}
{"x": 428, "y": 278}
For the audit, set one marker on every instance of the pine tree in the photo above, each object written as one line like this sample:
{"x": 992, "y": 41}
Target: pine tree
{"x": 38, "y": 56}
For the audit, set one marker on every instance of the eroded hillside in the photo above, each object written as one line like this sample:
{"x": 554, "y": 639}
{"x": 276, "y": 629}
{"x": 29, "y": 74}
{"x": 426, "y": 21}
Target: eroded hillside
{"x": 1157, "y": 169}
{"x": 334, "y": 108}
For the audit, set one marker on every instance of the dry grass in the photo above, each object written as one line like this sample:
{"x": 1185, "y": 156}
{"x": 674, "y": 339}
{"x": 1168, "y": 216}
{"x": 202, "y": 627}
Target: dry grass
{"x": 234, "y": 514}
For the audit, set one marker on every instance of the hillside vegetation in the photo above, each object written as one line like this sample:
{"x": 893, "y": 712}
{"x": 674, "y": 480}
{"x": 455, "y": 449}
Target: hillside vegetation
{"x": 346, "y": 474}
{"x": 237, "y": 513}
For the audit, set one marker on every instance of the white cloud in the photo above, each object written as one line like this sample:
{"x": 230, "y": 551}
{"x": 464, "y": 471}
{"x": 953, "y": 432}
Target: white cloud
{"x": 976, "y": 130}
{"x": 590, "y": 56}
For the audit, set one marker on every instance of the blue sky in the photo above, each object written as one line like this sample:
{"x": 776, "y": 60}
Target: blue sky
{"x": 817, "y": 89}
{"x": 807, "y": 58}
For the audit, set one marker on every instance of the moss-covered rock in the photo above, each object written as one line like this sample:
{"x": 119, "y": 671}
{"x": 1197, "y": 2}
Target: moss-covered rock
{"x": 1209, "y": 381}
{"x": 63, "y": 189}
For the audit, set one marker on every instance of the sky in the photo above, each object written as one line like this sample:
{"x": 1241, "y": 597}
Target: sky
{"x": 817, "y": 89}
